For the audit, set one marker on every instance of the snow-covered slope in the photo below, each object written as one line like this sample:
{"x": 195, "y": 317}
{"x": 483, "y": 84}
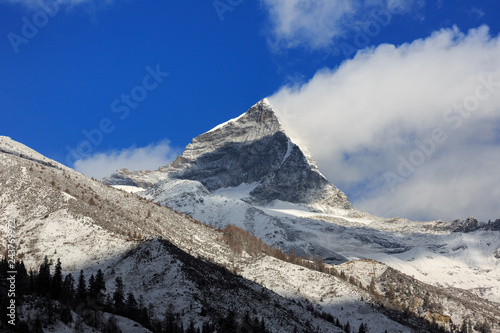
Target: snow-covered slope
{"x": 192, "y": 198}
{"x": 326, "y": 292}
{"x": 248, "y": 172}
{"x": 171, "y": 260}
{"x": 446, "y": 305}
{"x": 429, "y": 251}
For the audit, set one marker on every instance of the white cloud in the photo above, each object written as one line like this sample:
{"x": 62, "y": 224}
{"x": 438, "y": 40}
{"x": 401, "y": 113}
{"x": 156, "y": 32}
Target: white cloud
{"x": 306, "y": 21}
{"x": 145, "y": 158}
{"x": 319, "y": 23}
{"x": 386, "y": 126}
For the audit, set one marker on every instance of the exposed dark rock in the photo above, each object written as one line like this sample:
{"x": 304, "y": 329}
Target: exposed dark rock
{"x": 469, "y": 225}
{"x": 495, "y": 226}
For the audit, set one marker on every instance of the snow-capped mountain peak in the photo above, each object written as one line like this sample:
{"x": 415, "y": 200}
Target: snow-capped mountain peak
{"x": 258, "y": 121}
{"x": 252, "y": 148}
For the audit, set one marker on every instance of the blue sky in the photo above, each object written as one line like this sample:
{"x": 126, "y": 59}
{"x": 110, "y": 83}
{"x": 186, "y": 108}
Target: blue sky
{"x": 68, "y": 72}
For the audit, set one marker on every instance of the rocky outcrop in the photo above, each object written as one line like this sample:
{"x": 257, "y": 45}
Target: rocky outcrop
{"x": 144, "y": 179}
{"x": 469, "y": 225}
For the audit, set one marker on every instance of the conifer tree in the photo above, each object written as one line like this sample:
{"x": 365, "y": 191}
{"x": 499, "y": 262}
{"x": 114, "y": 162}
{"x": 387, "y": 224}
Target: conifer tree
{"x": 43, "y": 280}
{"x": 68, "y": 288}
{"x": 131, "y": 302}
{"x": 100, "y": 286}
{"x": 56, "y": 283}
{"x": 32, "y": 287}
{"x": 347, "y": 328}
{"x": 118, "y": 295}
{"x": 132, "y": 307}
{"x": 22, "y": 279}
{"x": 81, "y": 289}
{"x": 92, "y": 287}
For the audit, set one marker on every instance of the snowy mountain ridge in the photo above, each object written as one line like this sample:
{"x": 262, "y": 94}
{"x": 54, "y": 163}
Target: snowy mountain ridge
{"x": 209, "y": 183}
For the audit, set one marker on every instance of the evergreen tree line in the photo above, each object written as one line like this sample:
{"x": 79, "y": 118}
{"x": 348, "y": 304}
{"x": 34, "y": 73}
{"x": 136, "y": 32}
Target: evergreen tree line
{"x": 55, "y": 297}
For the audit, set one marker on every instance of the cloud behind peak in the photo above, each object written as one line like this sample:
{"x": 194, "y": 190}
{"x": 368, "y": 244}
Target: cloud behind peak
{"x": 418, "y": 121}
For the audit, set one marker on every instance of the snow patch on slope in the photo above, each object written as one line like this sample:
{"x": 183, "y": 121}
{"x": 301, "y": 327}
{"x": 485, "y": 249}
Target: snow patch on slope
{"x": 280, "y": 208}
{"x": 239, "y": 192}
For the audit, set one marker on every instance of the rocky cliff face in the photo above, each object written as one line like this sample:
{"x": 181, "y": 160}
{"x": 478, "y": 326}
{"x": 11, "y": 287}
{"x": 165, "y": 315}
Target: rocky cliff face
{"x": 253, "y": 148}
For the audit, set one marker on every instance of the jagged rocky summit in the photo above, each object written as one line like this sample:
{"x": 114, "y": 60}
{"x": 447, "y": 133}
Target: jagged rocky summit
{"x": 251, "y": 149}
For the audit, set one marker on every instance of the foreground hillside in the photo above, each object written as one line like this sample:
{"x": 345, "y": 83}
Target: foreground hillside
{"x": 185, "y": 267}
